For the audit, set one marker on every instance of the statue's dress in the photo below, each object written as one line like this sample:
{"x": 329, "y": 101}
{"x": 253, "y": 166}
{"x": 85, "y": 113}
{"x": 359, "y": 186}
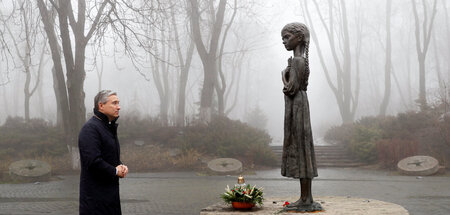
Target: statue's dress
{"x": 298, "y": 159}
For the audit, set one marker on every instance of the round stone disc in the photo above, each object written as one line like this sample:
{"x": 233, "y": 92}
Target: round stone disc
{"x": 32, "y": 169}
{"x": 418, "y": 165}
{"x": 225, "y": 165}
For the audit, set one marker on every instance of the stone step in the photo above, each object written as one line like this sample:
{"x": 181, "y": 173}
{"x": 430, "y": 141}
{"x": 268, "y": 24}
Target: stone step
{"x": 333, "y": 164}
{"x": 327, "y": 164}
{"x": 339, "y": 164}
{"x": 316, "y": 149}
{"x": 326, "y": 156}
{"x": 329, "y": 159}
{"x": 338, "y": 161}
{"x": 318, "y": 154}
{"x": 331, "y": 150}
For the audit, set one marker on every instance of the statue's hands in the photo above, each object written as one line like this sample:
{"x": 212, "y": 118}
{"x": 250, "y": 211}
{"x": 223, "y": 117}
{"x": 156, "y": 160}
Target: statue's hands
{"x": 284, "y": 76}
{"x": 285, "y": 72}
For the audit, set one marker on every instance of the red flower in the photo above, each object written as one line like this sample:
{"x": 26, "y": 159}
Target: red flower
{"x": 285, "y": 204}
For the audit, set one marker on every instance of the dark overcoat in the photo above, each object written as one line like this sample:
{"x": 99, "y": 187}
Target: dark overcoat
{"x": 99, "y": 154}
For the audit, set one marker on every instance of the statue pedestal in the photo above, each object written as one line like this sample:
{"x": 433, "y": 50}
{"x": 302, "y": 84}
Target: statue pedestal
{"x": 332, "y": 205}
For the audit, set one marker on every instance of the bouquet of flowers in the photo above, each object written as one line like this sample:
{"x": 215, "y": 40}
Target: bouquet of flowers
{"x": 243, "y": 193}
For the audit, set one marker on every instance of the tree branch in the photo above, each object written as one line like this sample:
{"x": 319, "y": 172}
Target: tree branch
{"x": 96, "y": 20}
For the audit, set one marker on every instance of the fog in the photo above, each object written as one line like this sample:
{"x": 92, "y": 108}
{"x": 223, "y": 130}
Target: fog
{"x": 255, "y": 32}
{"x": 178, "y": 63}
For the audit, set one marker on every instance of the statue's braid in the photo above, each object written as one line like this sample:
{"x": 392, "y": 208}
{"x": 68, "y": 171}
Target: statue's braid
{"x": 307, "y": 63}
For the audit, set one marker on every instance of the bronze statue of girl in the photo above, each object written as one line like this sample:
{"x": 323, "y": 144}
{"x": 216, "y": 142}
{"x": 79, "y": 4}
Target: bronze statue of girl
{"x": 298, "y": 150}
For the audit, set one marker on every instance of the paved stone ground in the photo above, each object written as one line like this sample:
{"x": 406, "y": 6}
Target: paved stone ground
{"x": 187, "y": 193}
{"x": 332, "y": 205}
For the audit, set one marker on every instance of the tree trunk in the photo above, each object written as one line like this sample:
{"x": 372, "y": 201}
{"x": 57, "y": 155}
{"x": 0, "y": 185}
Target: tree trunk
{"x": 388, "y": 64}
{"x": 440, "y": 79}
{"x": 100, "y": 73}
{"x": 347, "y": 100}
{"x": 221, "y": 85}
{"x": 59, "y": 84}
{"x": 422, "y": 100}
{"x": 207, "y": 93}
{"x": 184, "y": 66}
{"x": 184, "y": 72}
{"x": 235, "y": 81}
{"x": 422, "y": 47}
{"x": 161, "y": 83}
{"x": 160, "y": 88}
{"x": 61, "y": 90}
{"x": 347, "y": 68}
{"x": 208, "y": 57}
{"x": 447, "y": 27}
{"x": 27, "y": 94}
{"x": 5, "y": 102}
{"x": 220, "y": 99}
{"x": 40, "y": 93}
{"x": 72, "y": 94}
{"x": 75, "y": 89}
{"x": 26, "y": 57}
{"x": 58, "y": 97}
{"x": 27, "y": 91}
{"x": 165, "y": 102}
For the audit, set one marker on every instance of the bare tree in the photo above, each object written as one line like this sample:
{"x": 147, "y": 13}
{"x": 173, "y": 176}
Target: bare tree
{"x": 24, "y": 41}
{"x": 208, "y": 53}
{"x": 388, "y": 63}
{"x": 184, "y": 64}
{"x": 423, "y": 37}
{"x": 159, "y": 56}
{"x": 76, "y": 28}
{"x": 221, "y": 83}
{"x": 99, "y": 71}
{"x": 4, "y": 56}
{"x": 160, "y": 72}
{"x": 237, "y": 62}
{"x": 440, "y": 79}
{"x": 447, "y": 29}
{"x": 346, "y": 98}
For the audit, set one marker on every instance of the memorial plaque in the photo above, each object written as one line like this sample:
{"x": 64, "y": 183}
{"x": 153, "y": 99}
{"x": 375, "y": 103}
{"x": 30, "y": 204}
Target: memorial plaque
{"x": 418, "y": 165}
{"x": 225, "y": 165}
{"x": 139, "y": 142}
{"x": 29, "y": 170}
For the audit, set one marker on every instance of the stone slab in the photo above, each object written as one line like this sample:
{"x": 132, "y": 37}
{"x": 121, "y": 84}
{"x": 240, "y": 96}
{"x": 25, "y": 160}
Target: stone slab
{"x": 29, "y": 170}
{"x": 333, "y": 205}
{"x": 418, "y": 165}
{"x": 225, "y": 166}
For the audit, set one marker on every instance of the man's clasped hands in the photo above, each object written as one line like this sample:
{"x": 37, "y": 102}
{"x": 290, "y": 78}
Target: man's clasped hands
{"x": 122, "y": 170}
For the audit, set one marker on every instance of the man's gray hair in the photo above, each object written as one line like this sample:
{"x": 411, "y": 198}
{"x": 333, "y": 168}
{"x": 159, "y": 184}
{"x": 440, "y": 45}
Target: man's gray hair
{"x": 102, "y": 97}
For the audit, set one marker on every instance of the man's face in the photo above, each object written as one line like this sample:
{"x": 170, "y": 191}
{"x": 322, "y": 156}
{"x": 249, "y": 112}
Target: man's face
{"x": 290, "y": 40}
{"x": 110, "y": 108}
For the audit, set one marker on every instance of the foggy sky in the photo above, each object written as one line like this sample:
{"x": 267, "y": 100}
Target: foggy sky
{"x": 261, "y": 83}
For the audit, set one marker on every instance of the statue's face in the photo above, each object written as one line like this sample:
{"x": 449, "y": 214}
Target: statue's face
{"x": 290, "y": 40}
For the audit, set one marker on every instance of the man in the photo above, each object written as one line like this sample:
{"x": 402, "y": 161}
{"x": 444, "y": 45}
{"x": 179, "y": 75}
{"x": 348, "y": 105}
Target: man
{"x": 101, "y": 167}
